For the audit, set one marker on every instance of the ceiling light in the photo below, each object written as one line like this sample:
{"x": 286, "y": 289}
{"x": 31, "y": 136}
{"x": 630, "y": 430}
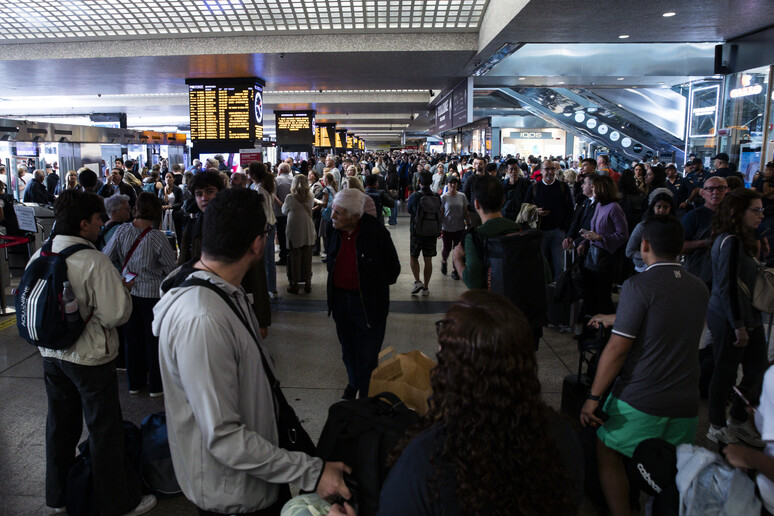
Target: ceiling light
{"x": 620, "y": 78}
{"x": 561, "y": 82}
{"x": 623, "y": 36}
{"x": 522, "y": 78}
{"x": 668, "y": 15}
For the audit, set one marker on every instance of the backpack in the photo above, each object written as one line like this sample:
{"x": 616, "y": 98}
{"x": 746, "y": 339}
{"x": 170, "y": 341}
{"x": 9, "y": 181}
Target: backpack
{"x": 514, "y": 267}
{"x": 377, "y": 198}
{"x": 362, "y": 434}
{"x": 158, "y": 474}
{"x": 427, "y": 220}
{"x": 149, "y": 187}
{"x": 40, "y": 316}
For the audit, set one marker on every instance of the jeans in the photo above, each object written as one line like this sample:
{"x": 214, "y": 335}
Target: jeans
{"x": 142, "y": 347}
{"x": 727, "y": 359}
{"x": 552, "y": 249}
{"x": 268, "y": 255}
{"x": 394, "y": 213}
{"x": 282, "y": 225}
{"x": 76, "y": 392}
{"x": 360, "y": 343}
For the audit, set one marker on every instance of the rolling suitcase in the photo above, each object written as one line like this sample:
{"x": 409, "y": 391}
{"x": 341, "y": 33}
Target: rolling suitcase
{"x": 575, "y": 387}
{"x": 559, "y": 312}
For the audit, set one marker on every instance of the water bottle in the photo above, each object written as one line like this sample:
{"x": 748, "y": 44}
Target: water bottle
{"x": 70, "y": 305}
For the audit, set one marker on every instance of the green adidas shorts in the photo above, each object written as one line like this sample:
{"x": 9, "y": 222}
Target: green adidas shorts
{"x": 628, "y": 427}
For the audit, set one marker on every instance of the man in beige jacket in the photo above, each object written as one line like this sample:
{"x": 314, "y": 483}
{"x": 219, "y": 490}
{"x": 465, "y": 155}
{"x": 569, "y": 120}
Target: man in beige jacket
{"x": 81, "y": 380}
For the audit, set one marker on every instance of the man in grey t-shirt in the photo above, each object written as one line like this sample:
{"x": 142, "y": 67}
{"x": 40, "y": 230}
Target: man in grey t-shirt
{"x": 653, "y": 352}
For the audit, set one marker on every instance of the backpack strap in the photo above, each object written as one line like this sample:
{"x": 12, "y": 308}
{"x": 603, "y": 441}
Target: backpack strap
{"x": 134, "y": 246}
{"x": 198, "y": 282}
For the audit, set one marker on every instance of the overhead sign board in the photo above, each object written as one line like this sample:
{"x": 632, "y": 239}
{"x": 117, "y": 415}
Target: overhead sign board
{"x": 462, "y": 103}
{"x": 341, "y": 138}
{"x": 225, "y": 109}
{"x": 294, "y": 127}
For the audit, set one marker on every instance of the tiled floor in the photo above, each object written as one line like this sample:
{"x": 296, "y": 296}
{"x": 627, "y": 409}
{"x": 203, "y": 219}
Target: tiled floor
{"x": 303, "y": 344}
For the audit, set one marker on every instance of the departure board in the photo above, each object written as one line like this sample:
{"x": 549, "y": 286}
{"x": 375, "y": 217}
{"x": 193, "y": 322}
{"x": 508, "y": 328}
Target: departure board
{"x": 225, "y": 109}
{"x": 322, "y": 137}
{"x": 294, "y": 127}
{"x": 338, "y": 140}
{"x": 350, "y": 141}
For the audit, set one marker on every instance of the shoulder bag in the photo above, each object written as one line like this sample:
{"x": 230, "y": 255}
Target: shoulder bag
{"x": 292, "y": 436}
{"x": 762, "y": 296}
{"x": 134, "y": 246}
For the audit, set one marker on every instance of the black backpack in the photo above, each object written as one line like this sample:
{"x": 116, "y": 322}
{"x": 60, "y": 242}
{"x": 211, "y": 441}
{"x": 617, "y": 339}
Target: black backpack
{"x": 362, "y": 434}
{"x": 40, "y": 317}
{"x": 514, "y": 267}
{"x": 427, "y": 220}
{"x": 158, "y": 474}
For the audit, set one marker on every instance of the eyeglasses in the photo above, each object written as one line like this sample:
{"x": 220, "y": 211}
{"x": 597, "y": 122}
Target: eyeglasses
{"x": 550, "y": 168}
{"x": 716, "y": 188}
{"x": 757, "y": 210}
{"x": 439, "y": 326}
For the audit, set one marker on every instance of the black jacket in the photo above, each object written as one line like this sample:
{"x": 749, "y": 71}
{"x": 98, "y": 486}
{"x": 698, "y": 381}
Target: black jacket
{"x": 36, "y": 192}
{"x": 124, "y": 188}
{"x": 378, "y": 266}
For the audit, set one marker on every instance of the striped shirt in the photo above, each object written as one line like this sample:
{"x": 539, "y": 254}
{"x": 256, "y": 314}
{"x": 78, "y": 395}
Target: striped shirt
{"x": 151, "y": 261}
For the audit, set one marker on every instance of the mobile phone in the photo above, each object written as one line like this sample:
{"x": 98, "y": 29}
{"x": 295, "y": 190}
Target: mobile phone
{"x": 129, "y": 276}
{"x": 743, "y": 397}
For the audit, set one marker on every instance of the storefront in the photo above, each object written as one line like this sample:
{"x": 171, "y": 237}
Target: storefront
{"x": 744, "y": 118}
{"x": 471, "y": 138}
{"x": 536, "y": 142}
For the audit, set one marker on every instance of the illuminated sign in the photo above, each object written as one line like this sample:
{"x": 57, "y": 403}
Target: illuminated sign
{"x": 325, "y": 135}
{"x": 531, "y": 135}
{"x": 745, "y": 91}
{"x": 294, "y": 127}
{"x": 350, "y": 141}
{"x": 225, "y": 109}
{"x": 341, "y": 139}
{"x": 704, "y": 110}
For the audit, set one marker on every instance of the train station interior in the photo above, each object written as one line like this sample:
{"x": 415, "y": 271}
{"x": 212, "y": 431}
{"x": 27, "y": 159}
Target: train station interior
{"x": 85, "y": 82}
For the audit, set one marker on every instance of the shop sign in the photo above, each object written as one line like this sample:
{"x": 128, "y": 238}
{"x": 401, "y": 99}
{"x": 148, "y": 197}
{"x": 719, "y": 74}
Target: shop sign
{"x": 746, "y": 89}
{"x": 531, "y": 135}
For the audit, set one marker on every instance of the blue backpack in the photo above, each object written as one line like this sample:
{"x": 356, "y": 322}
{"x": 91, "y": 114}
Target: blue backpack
{"x": 158, "y": 474}
{"x": 149, "y": 187}
{"x": 40, "y": 317}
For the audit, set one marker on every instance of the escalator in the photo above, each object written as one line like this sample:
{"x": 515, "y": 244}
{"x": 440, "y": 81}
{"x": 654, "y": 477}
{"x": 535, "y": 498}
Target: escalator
{"x": 633, "y": 125}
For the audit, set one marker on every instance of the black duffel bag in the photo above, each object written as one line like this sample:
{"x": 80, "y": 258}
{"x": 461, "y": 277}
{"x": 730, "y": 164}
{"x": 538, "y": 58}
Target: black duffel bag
{"x": 362, "y": 434}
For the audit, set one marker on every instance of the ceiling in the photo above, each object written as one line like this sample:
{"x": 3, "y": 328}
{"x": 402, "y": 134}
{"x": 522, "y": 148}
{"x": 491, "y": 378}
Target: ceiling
{"x": 376, "y": 61}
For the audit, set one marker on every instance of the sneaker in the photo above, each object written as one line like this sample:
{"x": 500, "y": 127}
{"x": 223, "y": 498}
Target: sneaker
{"x": 417, "y": 288}
{"x": 57, "y": 510}
{"x": 455, "y": 276}
{"x": 135, "y": 392}
{"x": 350, "y": 393}
{"x": 721, "y": 435}
{"x": 274, "y": 295}
{"x": 444, "y": 268}
{"x": 147, "y": 503}
{"x": 745, "y": 432}
{"x": 156, "y": 394}
{"x": 425, "y": 292}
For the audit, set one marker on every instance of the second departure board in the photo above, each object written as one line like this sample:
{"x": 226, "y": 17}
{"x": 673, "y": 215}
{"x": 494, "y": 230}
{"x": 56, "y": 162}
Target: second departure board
{"x": 339, "y": 145}
{"x": 294, "y": 127}
{"x": 323, "y": 135}
{"x": 225, "y": 109}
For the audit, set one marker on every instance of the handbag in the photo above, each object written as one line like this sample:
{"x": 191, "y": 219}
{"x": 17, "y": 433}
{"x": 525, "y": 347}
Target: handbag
{"x": 762, "y": 296}
{"x": 292, "y": 435}
{"x": 598, "y": 260}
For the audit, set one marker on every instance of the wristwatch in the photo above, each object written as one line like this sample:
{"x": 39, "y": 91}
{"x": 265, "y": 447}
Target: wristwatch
{"x": 593, "y": 398}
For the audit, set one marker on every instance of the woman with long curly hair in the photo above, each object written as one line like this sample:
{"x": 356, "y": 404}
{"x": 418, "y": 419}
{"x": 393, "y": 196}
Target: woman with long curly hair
{"x": 488, "y": 444}
{"x": 734, "y": 323}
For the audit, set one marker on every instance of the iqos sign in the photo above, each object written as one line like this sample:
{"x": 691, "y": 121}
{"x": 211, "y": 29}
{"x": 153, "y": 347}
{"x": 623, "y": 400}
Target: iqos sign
{"x": 527, "y": 135}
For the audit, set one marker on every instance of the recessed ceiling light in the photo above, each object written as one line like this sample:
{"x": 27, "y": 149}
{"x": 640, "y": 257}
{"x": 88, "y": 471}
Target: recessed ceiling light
{"x": 522, "y": 78}
{"x": 668, "y": 15}
{"x": 560, "y": 82}
{"x": 620, "y": 78}
{"x": 623, "y": 36}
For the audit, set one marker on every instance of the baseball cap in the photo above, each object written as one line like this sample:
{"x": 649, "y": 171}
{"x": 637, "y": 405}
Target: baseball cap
{"x": 722, "y": 157}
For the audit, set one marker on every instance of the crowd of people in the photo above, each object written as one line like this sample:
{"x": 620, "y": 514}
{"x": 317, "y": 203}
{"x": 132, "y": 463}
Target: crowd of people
{"x": 681, "y": 252}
